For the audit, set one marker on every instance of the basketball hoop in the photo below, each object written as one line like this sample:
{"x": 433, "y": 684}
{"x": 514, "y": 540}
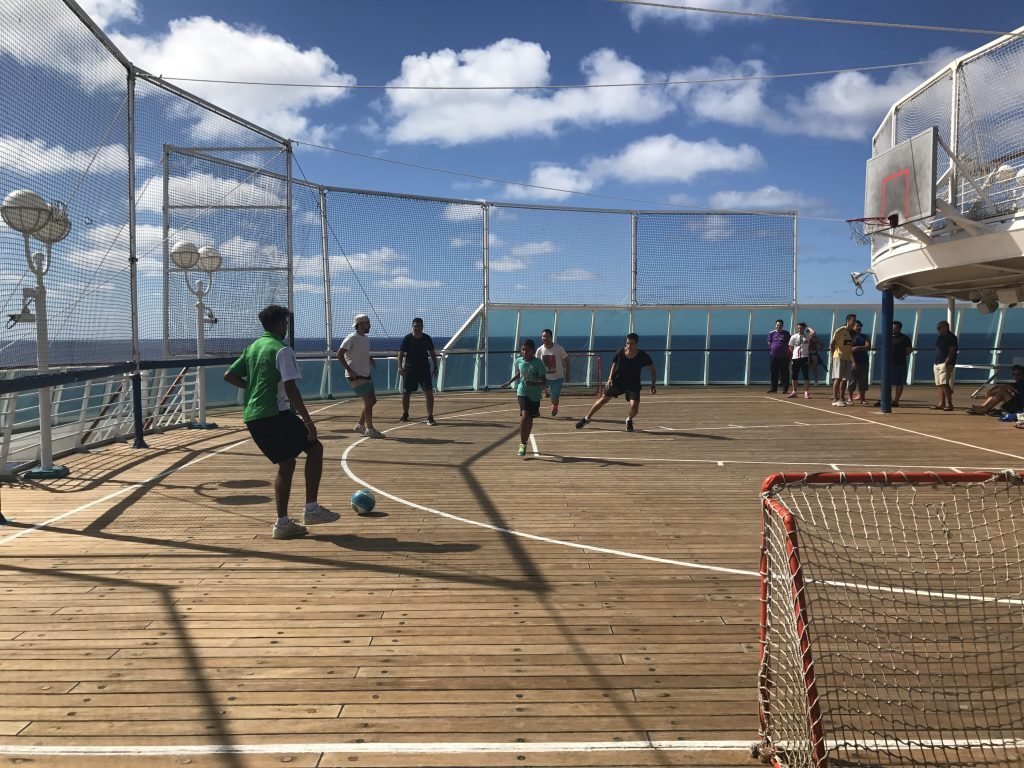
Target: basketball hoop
{"x": 861, "y": 230}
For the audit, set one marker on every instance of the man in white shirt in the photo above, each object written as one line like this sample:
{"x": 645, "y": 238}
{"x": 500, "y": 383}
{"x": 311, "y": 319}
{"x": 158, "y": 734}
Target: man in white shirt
{"x": 354, "y": 356}
{"x": 556, "y": 363}
{"x": 800, "y": 353}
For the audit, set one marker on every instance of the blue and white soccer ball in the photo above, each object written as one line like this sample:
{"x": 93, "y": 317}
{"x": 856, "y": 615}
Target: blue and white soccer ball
{"x": 363, "y": 501}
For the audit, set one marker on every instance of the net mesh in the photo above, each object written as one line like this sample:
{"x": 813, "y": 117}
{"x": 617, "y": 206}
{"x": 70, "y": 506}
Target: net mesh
{"x": 240, "y": 210}
{"x": 65, "y": 120}
{"x": 586, "y": 376}
{"x": 892, "y": 612}
{"x": 706, "y": 258}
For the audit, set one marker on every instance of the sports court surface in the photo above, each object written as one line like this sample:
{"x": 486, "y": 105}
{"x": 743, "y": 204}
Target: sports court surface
{"x": 593, "y": 604}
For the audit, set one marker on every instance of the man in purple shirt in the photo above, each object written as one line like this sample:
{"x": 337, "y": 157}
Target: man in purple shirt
{"x": 778, "y": 350}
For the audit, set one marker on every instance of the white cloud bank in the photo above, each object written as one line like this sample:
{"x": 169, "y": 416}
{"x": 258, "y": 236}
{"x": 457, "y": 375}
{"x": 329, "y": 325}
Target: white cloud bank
{"x": 203, "y": 47}
{"x": 458, "y": 117}
{"x": 697, "y": 21}
{"x": 655, "y": 159}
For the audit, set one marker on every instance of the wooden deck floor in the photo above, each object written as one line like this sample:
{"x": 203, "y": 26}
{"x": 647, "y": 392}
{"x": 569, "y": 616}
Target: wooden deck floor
{"x": 559, "y": 610}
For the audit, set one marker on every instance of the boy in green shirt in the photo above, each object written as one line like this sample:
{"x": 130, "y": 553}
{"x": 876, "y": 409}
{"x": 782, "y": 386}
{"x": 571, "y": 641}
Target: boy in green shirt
{"x": 531, "y": 374}
{"x": 268, "y": 371}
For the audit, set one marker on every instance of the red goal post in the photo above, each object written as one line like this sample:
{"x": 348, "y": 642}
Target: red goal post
{"x": 586, "y": 376}
{"x": 892, "y": 619}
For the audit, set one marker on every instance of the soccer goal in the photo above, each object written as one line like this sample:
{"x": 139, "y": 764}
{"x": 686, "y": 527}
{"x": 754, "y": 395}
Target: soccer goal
{"x": 585, "y": 375}
{"x": 892, "y": 620}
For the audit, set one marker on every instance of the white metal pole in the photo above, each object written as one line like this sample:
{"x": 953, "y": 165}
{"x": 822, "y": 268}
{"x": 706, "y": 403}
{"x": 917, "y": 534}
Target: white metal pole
{"x": 201, "y": 350}
{"x": 43, "y": 364}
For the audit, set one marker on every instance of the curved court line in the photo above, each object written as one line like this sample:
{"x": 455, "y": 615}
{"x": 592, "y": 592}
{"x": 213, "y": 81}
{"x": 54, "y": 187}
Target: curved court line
{"x": 533, "y": 537}
{"x": 136, "y": 486}
{"x": 385, "y": 748}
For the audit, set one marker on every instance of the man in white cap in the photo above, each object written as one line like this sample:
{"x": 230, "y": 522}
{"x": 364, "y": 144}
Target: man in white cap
{"x": 354, "y": 356}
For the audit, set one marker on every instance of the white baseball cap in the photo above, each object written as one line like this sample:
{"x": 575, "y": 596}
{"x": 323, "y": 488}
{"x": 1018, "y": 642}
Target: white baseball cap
{"x": 360, "y": 319}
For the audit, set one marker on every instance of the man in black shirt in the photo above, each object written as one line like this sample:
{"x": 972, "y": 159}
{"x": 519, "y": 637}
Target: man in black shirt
{"x": 902, "y": 346}
{"x": 945, "y": 365}
{"x": 624, "y": 379}
{"x": 417, "y": 365}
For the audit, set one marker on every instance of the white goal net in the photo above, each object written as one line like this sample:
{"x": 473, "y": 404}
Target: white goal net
{"x": 892, "y": 620}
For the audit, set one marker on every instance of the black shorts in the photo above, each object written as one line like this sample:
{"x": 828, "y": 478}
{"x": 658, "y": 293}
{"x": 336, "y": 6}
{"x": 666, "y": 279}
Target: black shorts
{"x": 530, "y": 407}
{"x": 633, "y": 395}
{"x": 414, "y": 379}
{"x": 280, "y": 437}
{"x": 899, "y": 375}
{"x": 800, "y": 365}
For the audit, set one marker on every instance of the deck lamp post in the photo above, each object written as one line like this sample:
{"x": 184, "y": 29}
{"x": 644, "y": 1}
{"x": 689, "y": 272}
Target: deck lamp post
{"x": 186, "y": 257}
{"x": 28, "y": 214}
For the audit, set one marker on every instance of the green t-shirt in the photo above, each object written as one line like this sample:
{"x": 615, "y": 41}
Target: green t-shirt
{"x": 258, "y": 366}
{"x": 532, "y": 375}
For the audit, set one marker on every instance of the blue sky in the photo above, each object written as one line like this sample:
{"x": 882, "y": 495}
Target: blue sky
{"x": 796, "y": 143}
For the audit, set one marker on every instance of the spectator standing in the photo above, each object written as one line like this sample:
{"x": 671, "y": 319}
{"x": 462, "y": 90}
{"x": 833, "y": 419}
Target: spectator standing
{"x": 945, "y": 365}
{"x": 859, "y": 367}
{"x": 778, "y": 352}
{"x": 798, "y": 345}
{"x": 902, "y": 346}
{"x": 841, "y": 360}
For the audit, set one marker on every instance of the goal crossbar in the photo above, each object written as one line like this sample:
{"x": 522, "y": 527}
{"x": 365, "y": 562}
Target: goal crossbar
{"x": 892, "y": 619}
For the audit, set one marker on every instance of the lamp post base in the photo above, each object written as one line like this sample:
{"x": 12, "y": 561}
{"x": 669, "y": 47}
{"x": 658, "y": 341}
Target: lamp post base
{"x": 48, "y": 473}
{"x": 203, "y": 425}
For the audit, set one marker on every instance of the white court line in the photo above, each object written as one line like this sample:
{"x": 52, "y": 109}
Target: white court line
{"x": 919, "y": 434}
{"x": 533, "y": 444}
{"x": 136, "y": 486}
{"x": 121, "y": 492}
{"x": 533, "y": 537}
{"x": 761, "y": 426}
{"x": 394, "y": 748}
{"x": 835, "y": 467}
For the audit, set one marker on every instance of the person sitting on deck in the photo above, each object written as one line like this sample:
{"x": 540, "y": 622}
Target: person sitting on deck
{"x": 1008, "y": 398}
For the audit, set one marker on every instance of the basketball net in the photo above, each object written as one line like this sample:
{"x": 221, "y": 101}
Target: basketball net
{"x": 861, "y": 230}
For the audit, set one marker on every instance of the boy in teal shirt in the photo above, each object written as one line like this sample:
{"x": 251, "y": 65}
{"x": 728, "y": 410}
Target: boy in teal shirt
{"x": 531, "y": 374}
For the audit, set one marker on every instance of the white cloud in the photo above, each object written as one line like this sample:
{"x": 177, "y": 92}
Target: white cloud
{"x": 203, "y": 189}
{"x": 197, "y": 46}
{"x": 37, "y": 157}
{"x": 766, "y": 198}
{"x": 504, "y": 265}
{"x": 847, "y": 106}
{"x": 461, "y": 212}
{"x": 573, "y": 275}
{"x": 698, "y": 21}
{"x": 379, "y": 260}
{"x": 400, "y": 279}
{"x": 459, "y": 117}
{"x": 654, "y": 159}
{"x": 541, "y": 248}
{"x": 106, "y": 12}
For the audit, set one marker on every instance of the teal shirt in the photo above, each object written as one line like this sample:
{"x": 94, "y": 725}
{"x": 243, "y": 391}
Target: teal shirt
{"x": 258, "y": 366}
{"x": 532, "y": 375}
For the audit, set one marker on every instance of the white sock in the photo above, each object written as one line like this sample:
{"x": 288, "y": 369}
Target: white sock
{"x": 311, "y": 506}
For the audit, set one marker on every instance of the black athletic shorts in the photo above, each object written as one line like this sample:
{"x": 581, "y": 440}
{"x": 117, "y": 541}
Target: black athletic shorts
{"x": 615, "y": 390}
{"x": 414, "y": 379}
{"x": 280, "y": 437}
{"x": 899, "y": 375}
{"x": 532, "y": 407}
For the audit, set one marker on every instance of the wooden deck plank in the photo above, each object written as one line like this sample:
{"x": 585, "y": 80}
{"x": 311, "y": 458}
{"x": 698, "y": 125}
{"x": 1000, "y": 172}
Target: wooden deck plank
{"x": 166, "y": 615}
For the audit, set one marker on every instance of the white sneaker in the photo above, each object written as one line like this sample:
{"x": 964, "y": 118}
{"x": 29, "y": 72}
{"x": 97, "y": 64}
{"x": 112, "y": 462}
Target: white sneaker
{"x": 359, "y": 428}
{"x": 373, "y": 433}
{"x": 290, "y": 530}
{"x": 836, "y": 403}
{"x": 807, "y": 395}
{"x": 319, "y": 515}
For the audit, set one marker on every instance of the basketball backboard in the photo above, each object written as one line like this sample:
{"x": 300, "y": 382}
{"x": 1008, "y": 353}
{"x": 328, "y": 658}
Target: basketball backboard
{"x": 901, "y": 180}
